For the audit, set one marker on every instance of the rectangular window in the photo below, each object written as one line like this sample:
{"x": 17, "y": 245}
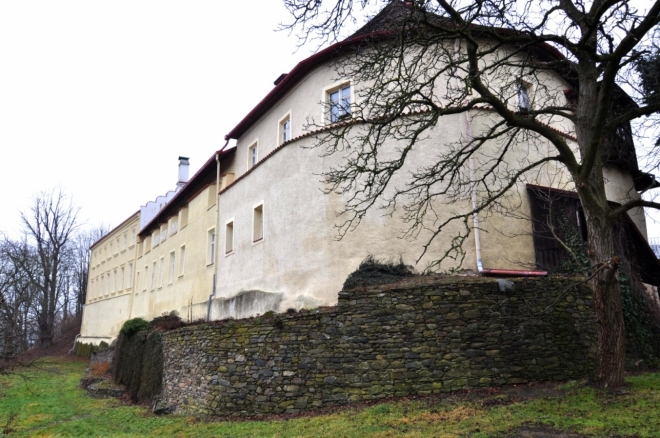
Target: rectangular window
{"x": 117, "y": 250}
{"x": 109, "y": 289}
{"x": 182, "y": 262}
{"x": 125, "y": 241}
{"x": 146, "y": 277}
{"x": 172, "y": 266}
{"x": 121, "y": 281}
{"x": 339, "y": 103}
{"x": 162, "y": 272}
{"x": 102, "y": 284}
{"x": 253, "y": 155}
{"x": 183, "y": 217}
{"x": 130, "y": 276}
{"x": 147, "y": 244}
{"x": 114, "y": 277}
{"x": 211, "y": 247}
{"x": 258, "y": 223}
{"x": 285, "y": 130}
{"x": 137, "y": 281}
{"x": 155, "y": 239}
{"x": 524, "y": 100}
{"x": 229, "y": 237}
{"x": 132, "y": 236}
{"x": 153, "y": 276}
{"x": 163, "y": 232}
{"x": 174, "y": 222}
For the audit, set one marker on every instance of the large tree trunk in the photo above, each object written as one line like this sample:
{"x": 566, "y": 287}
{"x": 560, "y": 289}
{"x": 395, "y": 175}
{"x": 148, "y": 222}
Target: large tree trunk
{"x": 608, "y": 305}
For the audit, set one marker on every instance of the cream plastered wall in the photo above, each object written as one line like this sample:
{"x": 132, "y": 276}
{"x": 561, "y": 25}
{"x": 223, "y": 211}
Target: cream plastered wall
{"x": 108, "y": 301}
{"x": 187, "y": 288}
{"x": 300, "y": 256}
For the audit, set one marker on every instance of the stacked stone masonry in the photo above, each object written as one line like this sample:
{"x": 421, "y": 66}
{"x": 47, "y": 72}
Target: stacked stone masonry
{"x": 420, "y": 337}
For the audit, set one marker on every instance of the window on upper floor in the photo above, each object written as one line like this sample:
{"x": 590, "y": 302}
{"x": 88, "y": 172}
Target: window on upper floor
{"x": 210, "y": 257}
{"x": 253, "y": 155}
{"x": 155, "y": 239}
{"x": 130, "y": 276}
{"x": 339, "y": 103}
{"x": 172, "y": 266}
{"x": 161, "y": 274}
{"x": 125, "y": 241}
{"x": 163, "y": 232}
{"x": 524, "y": 96}
{"x": 174, "y": 225}
{"x": 258, "y": 223}
{"x": 182, "y": 261}
{"x": 285, "y": 129}
{"x": 132, "y": 236}
{"x": 229, "y": 237}
{"x": 212, "y": 195}
{"x": 153, "y": 276}
{"x": 118, "y": 248}
{"x": 122, "y": 278}
{"x": 183, "y": 217}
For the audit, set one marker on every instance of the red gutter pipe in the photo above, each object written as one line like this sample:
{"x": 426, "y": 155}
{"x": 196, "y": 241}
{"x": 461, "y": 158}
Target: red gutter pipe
{"x": 513, "y": 273}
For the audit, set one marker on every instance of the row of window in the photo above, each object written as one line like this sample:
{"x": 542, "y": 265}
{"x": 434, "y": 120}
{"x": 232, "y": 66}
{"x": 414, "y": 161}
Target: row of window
{"x": 158, "y": 270}
{"x": 257, "y": 229}
{"x": 338, "y": 104}
{"x": 113, "y": 247}
{"x": 112, "y": 281}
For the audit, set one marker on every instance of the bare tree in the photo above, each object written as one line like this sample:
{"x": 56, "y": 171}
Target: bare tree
{"x": 422, "y": 60}
{"x": 81, "y": 257}
{"x": 49, "y": 228}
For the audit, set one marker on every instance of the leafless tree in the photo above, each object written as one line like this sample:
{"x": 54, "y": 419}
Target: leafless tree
{"x": 80, "y": 267}
{"x": 49, "y": 228}
{"x": 422, "y": 60}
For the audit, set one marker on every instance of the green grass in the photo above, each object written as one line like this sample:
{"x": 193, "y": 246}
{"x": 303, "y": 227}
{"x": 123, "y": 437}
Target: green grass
{"x": 48, "y": 403}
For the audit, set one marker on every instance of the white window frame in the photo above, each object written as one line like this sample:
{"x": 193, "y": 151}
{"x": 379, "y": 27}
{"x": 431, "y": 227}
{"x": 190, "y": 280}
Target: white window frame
{"x": 524, "y": 95}
{"x": 211, "y": 241}
{"x": 253, "y": 154}
{"x": 122, "y": 269}
{"x": 129, "y": 284}
{"x": 281, "y": 139}
{"x": 153, "y": 276}
{"x": 172, "y": 266}
{"x": 182, "y": 260}
{"x": 259, "y": 206}
{"x": 229, "y": 238}
{"x": 161, "y": 274}
{"x": 325, "y": 98}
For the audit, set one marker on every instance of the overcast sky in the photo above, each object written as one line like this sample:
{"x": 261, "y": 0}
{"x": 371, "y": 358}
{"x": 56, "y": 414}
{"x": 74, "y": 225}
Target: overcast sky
{"x": 100, "y": 98}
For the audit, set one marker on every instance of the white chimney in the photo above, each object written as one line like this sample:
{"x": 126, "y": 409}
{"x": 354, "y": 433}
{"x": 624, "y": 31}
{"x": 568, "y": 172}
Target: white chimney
{"x": 183, "y": 171}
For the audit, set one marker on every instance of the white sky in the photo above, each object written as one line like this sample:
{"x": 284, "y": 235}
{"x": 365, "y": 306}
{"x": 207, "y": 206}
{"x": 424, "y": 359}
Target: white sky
{"x": 100, "y": 98}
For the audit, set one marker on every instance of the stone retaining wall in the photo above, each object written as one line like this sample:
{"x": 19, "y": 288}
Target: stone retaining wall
{"x": 421, "y": 337}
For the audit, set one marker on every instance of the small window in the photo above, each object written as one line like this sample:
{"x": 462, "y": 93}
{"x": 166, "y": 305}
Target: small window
{"x": 121, "y": 280}
{"x": 183, "y": 217}
{"x": 229, "y": 238}
{"x": 182, "y": 262}
{"x": 132, "y": 236}
{"x": 125, "y": 241}
{"x": 114, "y": 288}
{"x": 117, "y": 250}
{"x": 161, "y": 274}
{"x": 210, "y": 258}
{"x": 130, "y": 276}
{"x": 109, "y": 284}
{"x": 137, "y": 280}
{"x": 253, "y": 155}
{"x": 147, "y": 244}
{"x": 146, "y": 277}
{"x": 174, "y": 225}
{"x": 172, "y": 266}
{"x": 339, "y": 103}
{"x": 153, "y": 276}
{"x": 524, "y": 99}
{"x": 102, "y": 284}
{"x": 163, "y": 232}
{"x": 155, "y": 239}
{"x": 285, "y": 130}
{"x": 258, "y": 223}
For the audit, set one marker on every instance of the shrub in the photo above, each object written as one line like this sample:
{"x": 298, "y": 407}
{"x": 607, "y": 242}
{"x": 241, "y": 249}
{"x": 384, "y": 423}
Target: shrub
{"x": 169, "y": 321}
{"x": 372, "y": 271}
{"x": 133, "y": 326}
{"x": 100, "y": 369}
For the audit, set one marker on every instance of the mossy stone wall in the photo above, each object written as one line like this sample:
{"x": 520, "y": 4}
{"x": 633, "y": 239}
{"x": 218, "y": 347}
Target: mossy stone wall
{"x": 420, "y": 337}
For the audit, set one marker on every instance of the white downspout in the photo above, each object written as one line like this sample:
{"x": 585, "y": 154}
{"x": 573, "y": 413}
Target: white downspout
{"x": 475, "y": 215}
{"x": 217, "y": 234}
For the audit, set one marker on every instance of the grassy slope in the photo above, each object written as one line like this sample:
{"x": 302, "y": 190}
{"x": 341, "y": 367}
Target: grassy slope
{"x": 50, "y": 404}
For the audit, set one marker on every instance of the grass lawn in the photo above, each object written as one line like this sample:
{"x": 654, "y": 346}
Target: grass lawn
{"x": 47, "y": 402}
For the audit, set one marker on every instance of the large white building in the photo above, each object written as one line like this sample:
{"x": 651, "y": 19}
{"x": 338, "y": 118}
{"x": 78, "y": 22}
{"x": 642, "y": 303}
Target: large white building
{"x": 252, "y": 230}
